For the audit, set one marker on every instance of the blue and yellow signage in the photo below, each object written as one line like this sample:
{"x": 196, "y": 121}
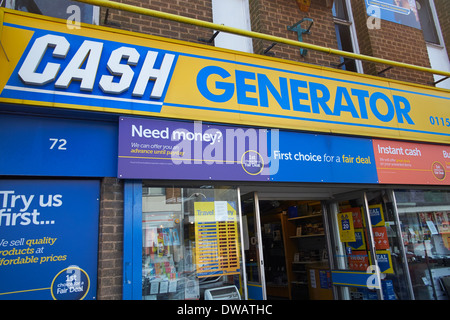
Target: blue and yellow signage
{"x": 93, "y": 68}
{"x": 346, "y": 230}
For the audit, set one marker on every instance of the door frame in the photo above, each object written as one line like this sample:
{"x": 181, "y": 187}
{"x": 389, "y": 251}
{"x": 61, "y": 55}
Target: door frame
{"x": 260, "y": 262}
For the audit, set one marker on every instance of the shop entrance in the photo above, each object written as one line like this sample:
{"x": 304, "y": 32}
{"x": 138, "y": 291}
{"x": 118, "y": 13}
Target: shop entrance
{"x": 335, "y": 243}
{"x": 285, "y": 249}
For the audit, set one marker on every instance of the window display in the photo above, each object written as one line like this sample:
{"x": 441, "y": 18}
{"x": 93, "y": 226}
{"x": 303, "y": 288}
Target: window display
{"x": 355, "y": 237}
{"x": 425, "y": 219}
{"x": 190, "y": 242}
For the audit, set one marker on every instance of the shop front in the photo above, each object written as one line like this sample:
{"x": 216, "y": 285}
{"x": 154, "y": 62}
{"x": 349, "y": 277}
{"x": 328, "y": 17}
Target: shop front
{"x": 245, "y": 177}
{"x": 220, "y": 225}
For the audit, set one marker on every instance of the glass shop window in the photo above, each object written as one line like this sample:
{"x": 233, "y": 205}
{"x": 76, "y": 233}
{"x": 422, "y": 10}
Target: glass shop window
{"x": 191, "y": 243}
{"x": 64, "y": 9}
{"x": 425, "y": 220}
{"x": 355, "y": 237}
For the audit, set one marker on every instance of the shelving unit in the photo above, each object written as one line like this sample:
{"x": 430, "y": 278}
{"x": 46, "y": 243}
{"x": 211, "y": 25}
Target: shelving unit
{"x": 273, "y": 244}
{"x": 305, "y": 245}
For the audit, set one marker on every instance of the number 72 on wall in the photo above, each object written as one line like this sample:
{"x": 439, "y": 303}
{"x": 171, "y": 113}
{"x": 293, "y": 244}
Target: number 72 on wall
{"x": 59, "y": 144}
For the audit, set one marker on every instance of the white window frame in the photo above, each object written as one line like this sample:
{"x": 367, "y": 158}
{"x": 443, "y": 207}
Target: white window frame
{"x": 437, "y": 25}
{"x": 351, "y": 24}
{"x": 439, "y": 49}
{"x": 232, "y": 13}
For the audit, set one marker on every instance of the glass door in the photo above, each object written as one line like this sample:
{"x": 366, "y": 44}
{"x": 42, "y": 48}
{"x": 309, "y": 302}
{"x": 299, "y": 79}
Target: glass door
{"x": 254, "y": 261}
{"x": 354, "y": 251}
{"x": 368, "y": 259}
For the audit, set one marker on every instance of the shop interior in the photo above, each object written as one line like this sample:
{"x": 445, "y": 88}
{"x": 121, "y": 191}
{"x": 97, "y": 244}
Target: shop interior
{"x": 294, "y": 246}
{"x": 294, "y": 229}
{"x": 294, "y": 242}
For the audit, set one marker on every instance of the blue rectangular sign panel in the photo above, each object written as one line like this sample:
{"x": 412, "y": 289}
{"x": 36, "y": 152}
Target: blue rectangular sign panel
{"x": 352, "y": 278}
{"x": 323, "y": 158}
{"x": 57, "y": 147}
{"x": 48, "y": 239}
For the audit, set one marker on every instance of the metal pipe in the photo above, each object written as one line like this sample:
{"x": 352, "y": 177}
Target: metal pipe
{"x": 256, "y": 35}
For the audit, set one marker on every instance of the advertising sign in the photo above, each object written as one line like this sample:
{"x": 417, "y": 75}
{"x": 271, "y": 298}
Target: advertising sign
{"x": 217, "y": 239}
{"x": 380, "y": 238}
{"x": 360, "y": 241}
{"x": 399, "y": 11}
{"x": 384, "y": 261}
{"x": 346, "y": 230}
{"x": 412, "y": 163}
{"x": 358, "y": 260}
{"x": 376, "y": 215}
{"x": 48, "y": 239}
{"x": 108, "y": 70}
{"x": 160, "y": 149}
{"x": 352, "y": 278}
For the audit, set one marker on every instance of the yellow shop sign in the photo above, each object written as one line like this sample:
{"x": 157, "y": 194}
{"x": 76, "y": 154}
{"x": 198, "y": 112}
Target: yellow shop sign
{"x": 94, "y": 68}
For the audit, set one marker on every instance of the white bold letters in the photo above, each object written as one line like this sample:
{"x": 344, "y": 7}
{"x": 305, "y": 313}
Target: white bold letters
{"x": 116, "y": 69}
{"x": 89, "y": 53}
{"x": 158, "y": 75}
{"x": 86, "y": 62}
{"x": 27, "y": 72}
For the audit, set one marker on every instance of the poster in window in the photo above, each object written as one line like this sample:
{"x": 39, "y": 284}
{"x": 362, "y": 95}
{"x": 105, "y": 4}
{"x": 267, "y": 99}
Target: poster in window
{"x": 217, "y": 239}
{"x": 346, "y": 229}
{"x": 360, "y": 241}
{"x": 403, "y": 12}
{"x": 358, "y": 260}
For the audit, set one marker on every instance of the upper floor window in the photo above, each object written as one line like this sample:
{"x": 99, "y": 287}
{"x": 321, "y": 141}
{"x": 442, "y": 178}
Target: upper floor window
{"x": 346, "y": 34}
{"x": 64, "y": 9}
{"x": 427, "y": 22}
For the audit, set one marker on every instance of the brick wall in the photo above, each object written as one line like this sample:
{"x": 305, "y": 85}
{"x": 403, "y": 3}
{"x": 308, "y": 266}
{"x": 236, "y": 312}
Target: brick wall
{"x": 274, "y": 16}
{"x": 197, "y": 9}
{"x": 394, "y": 42}
{"x": 110, "y": 252}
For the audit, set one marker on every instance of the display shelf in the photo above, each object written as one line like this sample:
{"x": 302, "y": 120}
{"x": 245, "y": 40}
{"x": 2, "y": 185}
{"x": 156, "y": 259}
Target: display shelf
{"x": 308, "y": 235}
{"x": 317, "y": 215}
{"x": 304, "y": 241}
{"x": 300, "y": 282}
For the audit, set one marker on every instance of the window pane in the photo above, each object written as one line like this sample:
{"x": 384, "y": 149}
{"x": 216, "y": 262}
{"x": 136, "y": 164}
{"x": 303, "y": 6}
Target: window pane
{"x": 352, "y": 243}
{"x": 425, "y": 216}
{"x": 56, "y": 9}
{"x": 190, "y": 243}
{"x": 427, "y": 22}
{"x": 345, "y": 43}
{"x": 340, "y": 9}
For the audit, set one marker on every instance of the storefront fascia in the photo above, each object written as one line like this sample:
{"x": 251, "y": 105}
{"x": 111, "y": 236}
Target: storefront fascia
{"x": 339, "y": 188}
{"x": 215, "y": 109}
